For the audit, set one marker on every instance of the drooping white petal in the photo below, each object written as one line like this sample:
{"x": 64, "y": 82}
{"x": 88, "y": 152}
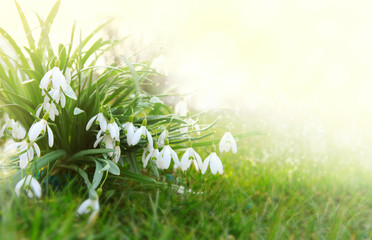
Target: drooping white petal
{"x": 63, "y": 100}
{"x": 90, "y": 122}
{"x": 114, "y": 131}
{"x": 45, "y": 81}
{"x": 198, "y": 161}
{"x": 205, "y": 164}
{"x": 163, "y": 135}
{"x": 36, "y": 129}
{"x": 50, "y": 136}
{"x": 38, "y": 111}
{"x": 185, "y": 160}
{"x": 102, "y": 121}
{"x": 175, "y": 158}
{"x": 109, "y": 142}
{"x": 215, "y": 164}
{"x": 233, "y": 145}
{"x": 57, "y": 78}
{"x": 36, "y": 188}
{"x": 145, "y": 159}
{"x": 117, "y": 154}
{"x": 30, "y": 154}
{"x": 83, "y": 208}
{"x": 37, "y": 149}
{"x": 23, "y": 160}
{"x": 69, "y": 92}
{"x": 164, "y": 159}
{"x": 29, "y": 193}
{"x": 98, "y": 141}
{"x": 130, "y": 133}
{"x": 137, "y": 136}
{"x": 19, "y": 185}
{"x": 149, "y": 141}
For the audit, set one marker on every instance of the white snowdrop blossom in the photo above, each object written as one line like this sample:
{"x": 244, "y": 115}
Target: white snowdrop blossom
{"x": 57, "y": 80}
{"x": 143, "y": 133}
{"x": 214, "y": 163}
{"x": 162, "y": 137}
{"x": 153, "y": 155}
{"x": 110, "y": 137}
{"x": 160, "y": 64}
{"x": 129, "y": 130}
{"x": 89, "y": 206}
{"x": 165, "y": 156}
{"x": 98, "y": 119}
{"x": 114, "y": 130}
{"x": 228, "y": 142}
{"x": 181, "y": 108}
{"x": 30, "y": 185}
{"x": 48, "y": 107}
{"x": 39, "y": 128}
{"x": 16, "y": 129}
{"x": 107, "y": 140}
{"x": 28, "y": 153}
{"x": 190, "y": 156}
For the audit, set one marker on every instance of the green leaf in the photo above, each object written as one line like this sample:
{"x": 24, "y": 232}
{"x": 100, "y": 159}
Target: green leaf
{"x": 114, "y": 169}
{"x": 125, "y": 174}
{"x": 88, "y": 152}
{"x": 26, "y": 27}
{"x": 133, "y": 71}
{"x": 132, "y": 160}
{"x": 97, "y": 175}
{"x": 40, "y": 163}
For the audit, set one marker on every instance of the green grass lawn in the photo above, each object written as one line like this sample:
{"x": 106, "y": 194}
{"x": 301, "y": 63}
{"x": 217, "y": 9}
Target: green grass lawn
{"x": 262, "y": 195}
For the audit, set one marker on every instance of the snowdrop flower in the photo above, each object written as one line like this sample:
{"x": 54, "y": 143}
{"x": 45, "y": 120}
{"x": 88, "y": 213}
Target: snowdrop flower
{"x": 100, "y": 119}
{"x": 48, "y": 106}
{"x": 190, "y": 156}
{"x": 114, "y": 130}
{"x": 16, "y": 129}
{"x": 110, "y": 137}
{"x": 160, "y": 64}
{"x": 39, "y": 128}
{"x": 143, "y": 133}
{"x": 107, "y": 140}
{"x": 54, "y": 76}
{"x": 88, "y": 206}
{"x": 228, "y": 142}
{"x": 28, "y": 154}
{"x": 129, "y": 130}
{"x": 153, "y": 155}
{"x": 181, "y": 108}
{"x": 165, "y": 156}
{"x": 59, "y": 83}
{"x": 214, "y": 162}
{"x": 30, "y": 185}
{"x": 162, "y": 137}
{"x": 57, "y": 96}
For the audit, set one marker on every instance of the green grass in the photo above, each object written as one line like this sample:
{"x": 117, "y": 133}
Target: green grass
{"x": 260, "y": 196}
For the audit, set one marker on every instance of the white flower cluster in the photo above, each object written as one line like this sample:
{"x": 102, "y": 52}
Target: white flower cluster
{"x": 55, "y": 87}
